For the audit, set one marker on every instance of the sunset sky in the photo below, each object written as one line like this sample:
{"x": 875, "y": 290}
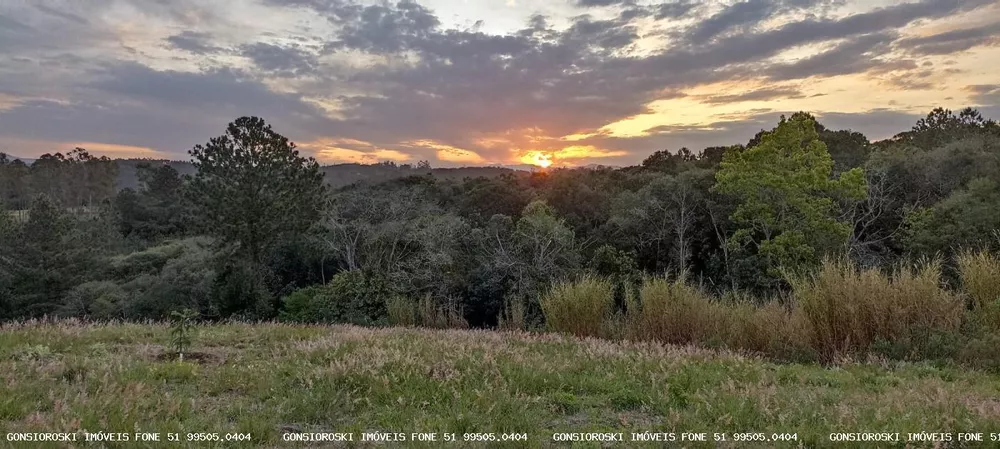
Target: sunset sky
{"x": 476, "y": 82}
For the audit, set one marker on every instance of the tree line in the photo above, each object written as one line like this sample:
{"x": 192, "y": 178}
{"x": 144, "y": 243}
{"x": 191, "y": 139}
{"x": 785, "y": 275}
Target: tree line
{"x": 256, "y": 233}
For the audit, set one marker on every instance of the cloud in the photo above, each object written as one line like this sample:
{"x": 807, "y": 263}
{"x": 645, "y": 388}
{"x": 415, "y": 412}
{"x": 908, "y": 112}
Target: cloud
{"x": 769, "y": 93}
{"x": 376, "y": 78}
{"x": 282, "y": 61}
{"x": 594, "y": 3}
{"x": 738, "y": 14}
{"x": 985, "y": 94}
{"x": 62, "y": 14}
{"x": 952, "y": 41}
{"x": 194, "y": 42}
{"x": 10, "y": 26}
{"x": 853, "y": 55}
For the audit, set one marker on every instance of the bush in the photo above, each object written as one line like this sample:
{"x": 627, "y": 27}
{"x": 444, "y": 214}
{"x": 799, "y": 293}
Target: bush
{"x": 980, "y": 274}
{"x": 100, "y": 300}
{"x": 673, "y": 312}
{"x": 848, "y": 310}
{"x": 350, "y": 297}
{"x": 402, "y": 311}
{"x": 152, "y": 260}
{"x": 582, "y": 308}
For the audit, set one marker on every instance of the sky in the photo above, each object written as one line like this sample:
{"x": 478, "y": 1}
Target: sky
{"x": 487, "y": 82}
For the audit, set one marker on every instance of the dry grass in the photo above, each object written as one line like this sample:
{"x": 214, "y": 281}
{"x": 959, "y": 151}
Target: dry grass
{"x": 673, "y": 311}
{"x": 849, "y": 309}
{"x": 512, "y": 318}
{"x": 582, "y": 308}
{"x": 770, "y": 329}
{"x": 980, "y": 273}
{"x": 426, "y": 312}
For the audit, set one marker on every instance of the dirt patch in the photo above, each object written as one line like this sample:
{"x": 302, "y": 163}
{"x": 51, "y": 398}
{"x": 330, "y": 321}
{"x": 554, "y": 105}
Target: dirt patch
{"x": 201, "y": 358}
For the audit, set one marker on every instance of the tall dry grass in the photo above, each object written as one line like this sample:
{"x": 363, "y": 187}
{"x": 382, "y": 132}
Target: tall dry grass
{"x": 582, "y": 308}
{"x": 426, "y": 312}
{"x": 402, "y": 311}
{"x": 771, "y": 328}
{"x": 512, "y": 317}
{"x": 850, "y": 309}
{"x": 980, "y": 275}
{"x": 672, "y": 311}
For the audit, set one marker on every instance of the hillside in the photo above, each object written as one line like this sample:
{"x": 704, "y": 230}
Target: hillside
{"x": 267, "y": 379}
{"x": 337, "y": 175}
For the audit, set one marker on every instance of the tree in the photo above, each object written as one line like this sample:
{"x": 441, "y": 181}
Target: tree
{"x": 42, "y": 271}
{"x": 660, "y": 218}
{"x": 787, "y": 209}
{"x": 252, "y": 187}
{"x": 966, "y": 218}
{"x": 942, "y": 126}
{"x": 158, "y": 209}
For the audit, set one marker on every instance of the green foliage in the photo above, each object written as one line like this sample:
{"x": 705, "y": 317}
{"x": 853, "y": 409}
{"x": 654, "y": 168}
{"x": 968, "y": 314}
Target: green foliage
{"x": 787, "y": 207}
{"x": 100, "y": 300}
{"x": 350, "y": 297}
{"x": 163, "y": 278}
{"x": 75, "y": 179}
{"x": 182, "y": 330}
{"x": 402, "y": 311}
{"x": 243, "y": 290}
{"x": 618, "y": 267}
{"x": 967, "y": 217}
{"x": 252, "y": 187}
{"x": 158, "y": 208}
{"x": 942, "y": 126}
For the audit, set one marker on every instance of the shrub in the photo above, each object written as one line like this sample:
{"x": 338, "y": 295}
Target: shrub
{"x": 99, "y": 300}
{"x": 848, "y": 309}
{"x": 581, "y": 308}
{"x": 167, "y": 277}
{"x": 350, "y": 297}
{"x": 673, "y": 312}
{"x": 980, "y": 274}
{"x": 402, "y": 311}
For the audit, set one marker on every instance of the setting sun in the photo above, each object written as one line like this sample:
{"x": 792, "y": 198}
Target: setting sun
{"x": 537, "y": 158}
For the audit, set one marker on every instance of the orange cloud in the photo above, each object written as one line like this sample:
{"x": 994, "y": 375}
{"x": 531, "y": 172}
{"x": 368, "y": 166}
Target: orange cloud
{"x": 449, "y": 153}
{"x": 351, "y": 150}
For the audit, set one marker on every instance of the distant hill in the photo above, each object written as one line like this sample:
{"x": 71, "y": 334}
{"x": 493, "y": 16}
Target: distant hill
{"x": 27, "y": 161}
{"x": 338, "y": 175}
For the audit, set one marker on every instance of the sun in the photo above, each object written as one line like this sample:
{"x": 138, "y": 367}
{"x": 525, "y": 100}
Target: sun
{"x": 537, "y": 158}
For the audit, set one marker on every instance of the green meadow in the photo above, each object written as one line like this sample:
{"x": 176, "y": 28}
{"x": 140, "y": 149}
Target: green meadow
{"x": 268, "y": 379}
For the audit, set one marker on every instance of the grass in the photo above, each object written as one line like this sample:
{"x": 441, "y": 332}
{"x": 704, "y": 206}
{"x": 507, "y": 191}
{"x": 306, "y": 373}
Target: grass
{"x": 262, "y": 378}
{"x": 980, "y": 273}
{"x": 851, "y": 309}
{"x": 582, "y": 308}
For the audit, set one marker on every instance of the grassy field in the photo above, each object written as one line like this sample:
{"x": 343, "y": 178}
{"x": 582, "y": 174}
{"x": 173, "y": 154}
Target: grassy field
{"x": 268, "y": 379}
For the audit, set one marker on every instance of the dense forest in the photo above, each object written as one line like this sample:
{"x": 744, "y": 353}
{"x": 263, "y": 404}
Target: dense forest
{"x": 252, "y": 231}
